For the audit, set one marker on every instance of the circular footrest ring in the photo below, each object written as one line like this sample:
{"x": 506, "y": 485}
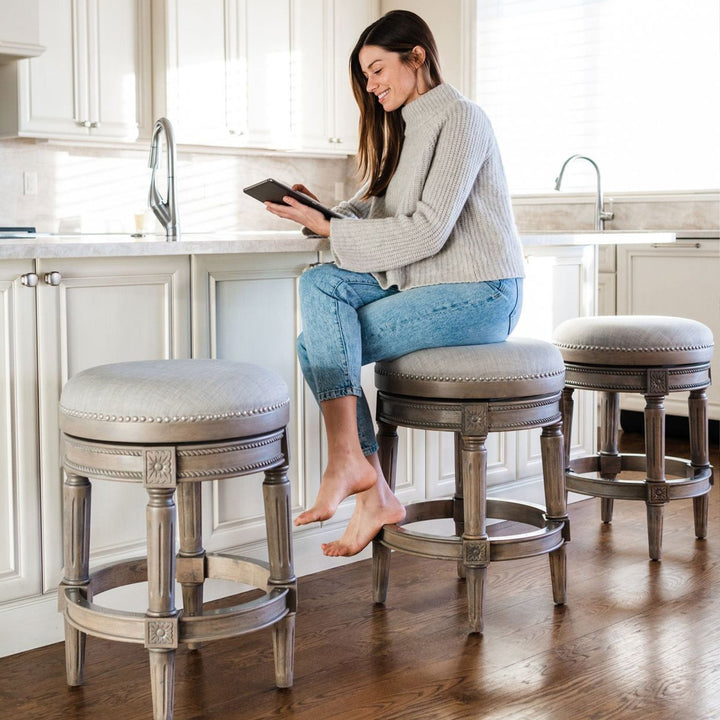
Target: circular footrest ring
{"x": 689, "y": 481}
{"x": 550, "y": 534}
{"x": 111, "y": 624}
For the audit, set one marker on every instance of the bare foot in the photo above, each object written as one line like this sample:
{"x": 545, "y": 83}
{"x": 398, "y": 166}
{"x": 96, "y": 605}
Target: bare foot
{"x": 374, "y": 508}
{"x": 355, "y": 476}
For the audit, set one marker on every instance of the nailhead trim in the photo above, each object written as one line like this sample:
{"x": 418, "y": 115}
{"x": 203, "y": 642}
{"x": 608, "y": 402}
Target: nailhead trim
{"x": 84, "y": 415}
{"x": 605, "y": 348}
{"x": 438, "y": 378}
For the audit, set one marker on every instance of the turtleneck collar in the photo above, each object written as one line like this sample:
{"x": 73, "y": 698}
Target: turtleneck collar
{"x": 429, "y": 103}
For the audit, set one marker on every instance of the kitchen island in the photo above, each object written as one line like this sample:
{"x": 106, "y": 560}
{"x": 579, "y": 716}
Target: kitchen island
{"x": 71, "y": 302}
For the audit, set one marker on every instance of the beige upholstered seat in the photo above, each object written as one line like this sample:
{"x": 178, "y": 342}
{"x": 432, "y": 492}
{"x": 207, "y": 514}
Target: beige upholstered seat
{"x": 171, "y": 424}
{"x": 472, "y": 391}
{"x": 651, "y": 355}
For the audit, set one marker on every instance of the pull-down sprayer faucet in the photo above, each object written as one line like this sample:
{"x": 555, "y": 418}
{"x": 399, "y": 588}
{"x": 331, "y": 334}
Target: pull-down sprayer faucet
{"x": 600, "y": 214}
{"x": 165, "y": 210}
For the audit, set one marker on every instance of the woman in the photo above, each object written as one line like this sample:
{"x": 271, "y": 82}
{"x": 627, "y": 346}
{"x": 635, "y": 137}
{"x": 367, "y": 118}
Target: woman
{"x": 425, "y": 255}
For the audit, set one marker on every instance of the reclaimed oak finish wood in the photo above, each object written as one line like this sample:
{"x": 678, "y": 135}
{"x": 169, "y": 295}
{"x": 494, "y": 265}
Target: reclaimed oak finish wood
{"x": 638, "y": 641}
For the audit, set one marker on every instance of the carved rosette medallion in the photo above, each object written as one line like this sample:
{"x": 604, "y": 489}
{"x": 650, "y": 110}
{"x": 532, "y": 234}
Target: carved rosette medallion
{"x": 161, "y": 633}
{"x": 476, "y": 552}
{"x": 160, "y": 467}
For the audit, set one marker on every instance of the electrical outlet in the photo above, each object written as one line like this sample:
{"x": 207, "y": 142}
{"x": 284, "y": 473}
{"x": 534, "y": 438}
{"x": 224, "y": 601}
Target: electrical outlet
{"x": 339, "y": 191}
{"x": 30, "y": 183}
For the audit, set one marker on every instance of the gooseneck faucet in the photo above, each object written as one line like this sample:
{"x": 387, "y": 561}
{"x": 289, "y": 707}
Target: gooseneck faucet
{"x": 165, "y": 210}
{"x": 601, "y": 215}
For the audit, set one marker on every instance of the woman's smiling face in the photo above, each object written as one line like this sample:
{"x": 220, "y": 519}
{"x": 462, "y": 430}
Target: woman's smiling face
{"x": 395, "y": 83}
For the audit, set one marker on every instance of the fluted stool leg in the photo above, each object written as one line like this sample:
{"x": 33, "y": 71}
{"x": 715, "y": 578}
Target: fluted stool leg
{"x": 475, "y": 545}
{"x": 161, "y": 637}
{"x": 551, "y": 444}
{"x": 458, "y": 501}
{"x": 657, "y": 494}
{"x": 699, "y": 454}
{"x": 76, "y": 552}
{"x": 609, "y": 455}
{"x": 567, "y": 407}
{"x": 276, "y": 495}
{"x": 189, "y": 498}
{"x": 388, "y": 448}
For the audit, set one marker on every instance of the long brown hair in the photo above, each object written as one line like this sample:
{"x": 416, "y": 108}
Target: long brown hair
{"x": 381, "y": 133}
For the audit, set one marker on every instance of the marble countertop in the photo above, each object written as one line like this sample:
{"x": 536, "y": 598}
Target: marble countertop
{"x": 259, "y": 241}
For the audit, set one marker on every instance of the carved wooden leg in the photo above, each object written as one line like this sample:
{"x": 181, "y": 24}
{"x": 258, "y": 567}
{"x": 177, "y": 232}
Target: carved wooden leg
{"x": 609, "y": 456}
{"x": 388, "y": 448}
{"x": 551, "y": 446}
{"x": 276, "y": 495}
{"x": 476, "y": 547}
{"x": 656, "y": 483}
{"x": 76, "y": 552}
{"x": 189, "y": 496}
{"x": 458, "y": 503}
{"x": 161, "y": 634}
{"x": 567, "y": 406}
{"x": 699, "y": 454}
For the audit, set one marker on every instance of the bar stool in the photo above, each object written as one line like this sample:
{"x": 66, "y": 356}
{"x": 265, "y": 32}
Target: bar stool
{"x": 654, "y": 356}
{"x": 172, "y": 424}
{"x": 473, "y": 391}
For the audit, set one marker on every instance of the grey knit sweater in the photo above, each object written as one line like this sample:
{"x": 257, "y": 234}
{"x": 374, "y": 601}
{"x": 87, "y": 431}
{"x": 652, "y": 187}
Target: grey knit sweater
{"x": 446, "y": 215}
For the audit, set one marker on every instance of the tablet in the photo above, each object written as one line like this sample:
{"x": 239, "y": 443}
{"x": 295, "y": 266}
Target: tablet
{"x": 273, "y": 191}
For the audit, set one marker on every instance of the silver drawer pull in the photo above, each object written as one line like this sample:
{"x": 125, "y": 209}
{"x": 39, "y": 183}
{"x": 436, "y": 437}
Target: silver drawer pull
{"x": 29, "y": 279}
{"x": 53, "y": 278}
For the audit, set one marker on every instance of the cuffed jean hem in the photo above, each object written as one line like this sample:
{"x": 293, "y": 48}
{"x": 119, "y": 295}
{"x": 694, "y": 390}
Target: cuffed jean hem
{"x": 369, "y": 450}
{"x": 338, "y": 393}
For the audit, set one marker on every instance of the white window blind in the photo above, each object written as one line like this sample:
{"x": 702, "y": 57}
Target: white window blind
{"x": 634, "y": 84}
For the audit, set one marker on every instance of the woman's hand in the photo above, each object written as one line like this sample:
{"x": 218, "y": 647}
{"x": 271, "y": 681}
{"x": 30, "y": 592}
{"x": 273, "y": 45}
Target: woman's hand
{"x": 300, "y": 213}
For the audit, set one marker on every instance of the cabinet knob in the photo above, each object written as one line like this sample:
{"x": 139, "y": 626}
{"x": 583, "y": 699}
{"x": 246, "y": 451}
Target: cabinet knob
{"x": 52, "y": 278}
{"x": 29, "y": 279}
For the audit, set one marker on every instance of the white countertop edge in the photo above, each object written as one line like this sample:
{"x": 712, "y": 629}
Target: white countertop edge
{"x": 273, "y": 241}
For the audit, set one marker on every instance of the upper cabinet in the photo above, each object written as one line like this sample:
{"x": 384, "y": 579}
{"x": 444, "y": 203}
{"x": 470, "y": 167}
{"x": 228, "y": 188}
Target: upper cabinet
{"x": 19, "y": 30}
{"x": 260, "y": 73}
{"x": 92, "y": 81}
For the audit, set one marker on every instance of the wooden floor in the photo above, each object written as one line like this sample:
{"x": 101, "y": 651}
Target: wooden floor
{"x": 637, "y": 639}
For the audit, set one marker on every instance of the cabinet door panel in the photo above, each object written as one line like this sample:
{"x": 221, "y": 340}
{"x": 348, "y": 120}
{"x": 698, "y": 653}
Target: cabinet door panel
{"x": 119, "y": 92}
{"x": 105, "y": 310}
{"x": 246, "y": 310}
{"x": 678, "y": 280}
{"x": 20, "y": 571}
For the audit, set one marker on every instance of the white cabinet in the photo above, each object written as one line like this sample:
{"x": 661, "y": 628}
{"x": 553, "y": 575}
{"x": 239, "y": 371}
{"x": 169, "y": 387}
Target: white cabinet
{"x": 101, "y": 310}
{"x": 93, "y": 80}
{"x": 681, "y": 279}
{"x": 20, "y": 572}
{"x": 245, "y": 309}
{"x": 260, "y": 73}
{"x": 326, "y": 113}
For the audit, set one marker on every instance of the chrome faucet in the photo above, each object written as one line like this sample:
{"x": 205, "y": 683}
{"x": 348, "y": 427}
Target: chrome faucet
{"x": 165, "y": 210}
{"x": 601, "y": 215}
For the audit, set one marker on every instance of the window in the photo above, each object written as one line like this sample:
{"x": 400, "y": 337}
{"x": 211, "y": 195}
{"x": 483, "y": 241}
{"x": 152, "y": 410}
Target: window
{"x": 634, "y": 84}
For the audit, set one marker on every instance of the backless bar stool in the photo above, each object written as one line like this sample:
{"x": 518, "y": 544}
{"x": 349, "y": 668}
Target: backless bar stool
{"x": 172, "y": 424}
{"x": 652, "y": 355}
{"x": 472, "y": 391}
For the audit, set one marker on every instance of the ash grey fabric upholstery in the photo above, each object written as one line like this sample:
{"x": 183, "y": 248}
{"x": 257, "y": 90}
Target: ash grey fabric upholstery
{"x": 634, "y": 340}
{"x": 158, "y": 401}
{"x": 518, "y": 367}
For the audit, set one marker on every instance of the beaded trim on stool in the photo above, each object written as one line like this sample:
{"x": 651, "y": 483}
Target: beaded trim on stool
{"x": 84, "y": 415}
{"x": 437, "y": 378}
{"x": 674, "y": 348}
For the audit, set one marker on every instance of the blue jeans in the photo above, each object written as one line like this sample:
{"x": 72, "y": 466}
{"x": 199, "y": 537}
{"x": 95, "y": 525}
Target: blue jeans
{"x": 350, "y": 321}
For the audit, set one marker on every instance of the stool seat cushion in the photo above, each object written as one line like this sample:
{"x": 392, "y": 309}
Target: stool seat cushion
{"x": 634, "y": 340}
{"x": 169, "y": 401}
{"x": 516, "y": 368}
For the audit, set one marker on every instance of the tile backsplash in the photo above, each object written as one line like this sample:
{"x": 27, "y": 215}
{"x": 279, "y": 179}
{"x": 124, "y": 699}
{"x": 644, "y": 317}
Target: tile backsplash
{"x": 82, "y": 188}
